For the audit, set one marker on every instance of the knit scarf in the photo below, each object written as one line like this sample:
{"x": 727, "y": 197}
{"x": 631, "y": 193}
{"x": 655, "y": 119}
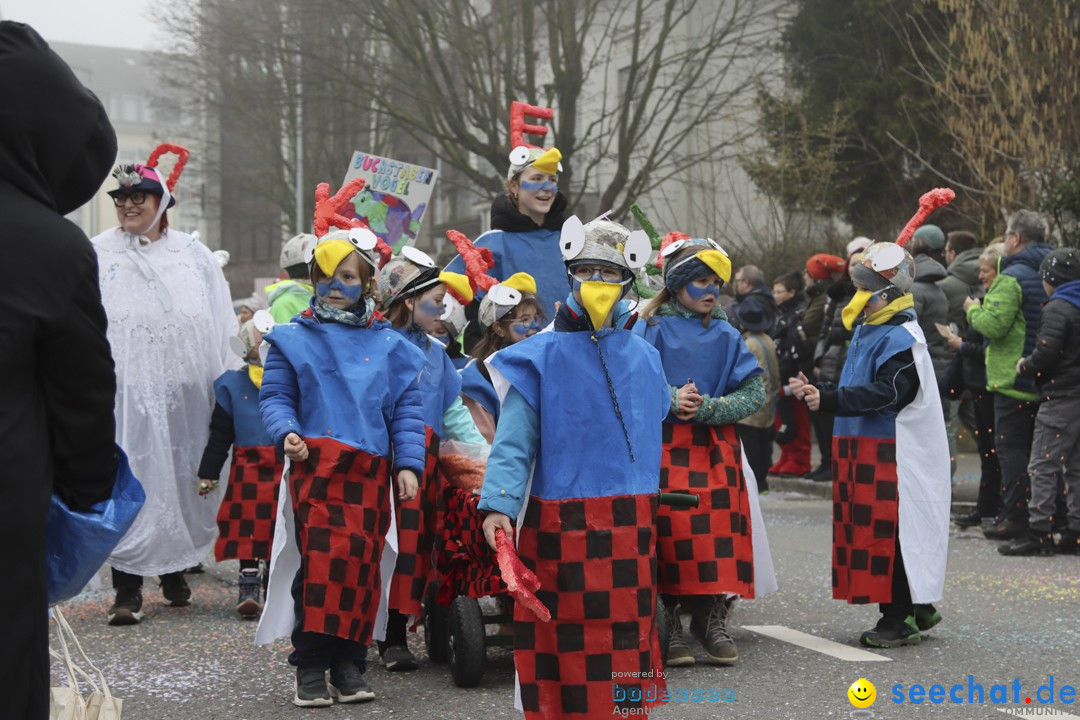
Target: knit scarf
{"x": 674, "y": 308}
{"x": 360, "y": 316}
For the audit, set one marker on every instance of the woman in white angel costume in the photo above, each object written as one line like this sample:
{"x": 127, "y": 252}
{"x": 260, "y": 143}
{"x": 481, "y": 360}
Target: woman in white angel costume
{"x": 170, "y": 318}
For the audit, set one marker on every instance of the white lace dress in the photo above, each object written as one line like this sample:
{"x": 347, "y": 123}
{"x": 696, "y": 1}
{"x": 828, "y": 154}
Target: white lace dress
{"x": 170, "y": 318}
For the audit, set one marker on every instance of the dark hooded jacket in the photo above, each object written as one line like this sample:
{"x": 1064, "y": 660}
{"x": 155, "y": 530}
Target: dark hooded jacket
{"x": 961, "y": 283}
{"x": 931, "y": 308}
{"x": 1055, "y": 361}
{"x": 831, "y": 351}
{"x": 57, "y": 394}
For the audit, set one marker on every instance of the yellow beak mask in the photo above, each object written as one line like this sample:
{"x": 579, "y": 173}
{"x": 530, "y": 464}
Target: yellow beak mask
{"x": 718, "y": 262}
{"x": 330, "y": 253}
{"x": 598, "y": 299}
{"x": 851, "y": 312}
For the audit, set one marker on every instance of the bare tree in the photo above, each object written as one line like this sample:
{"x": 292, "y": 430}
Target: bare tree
{"x": 632, "y": 82}
{"x": 1007, "y": 91}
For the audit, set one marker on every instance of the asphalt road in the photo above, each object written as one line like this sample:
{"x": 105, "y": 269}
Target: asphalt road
{"x": 1005, "y": 619}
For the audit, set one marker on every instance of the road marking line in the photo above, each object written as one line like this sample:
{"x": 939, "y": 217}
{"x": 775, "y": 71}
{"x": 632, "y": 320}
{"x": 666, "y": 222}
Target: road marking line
{"x": 1039, "y": 712}
{"x": 821, "y": 645}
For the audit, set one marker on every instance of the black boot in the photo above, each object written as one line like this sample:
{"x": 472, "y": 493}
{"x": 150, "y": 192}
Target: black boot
{"x": 1006, "y": 529}
{"x": 1032, "y": 542}
{"x": 1069, "y": 544}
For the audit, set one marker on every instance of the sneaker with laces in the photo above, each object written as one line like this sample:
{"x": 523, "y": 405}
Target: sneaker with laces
{"x": 175, "y": 589}
{"x": 311, "y": 690}
{"x": 926, "y": 617}
{"x": 248, "y": 605}
{"x": 347, "y": 684}
{"x": 679, "y": 654}
{"x": 127, "y": 610}
{"x": 891, "y": 633}
{"x": 709, "y": 626}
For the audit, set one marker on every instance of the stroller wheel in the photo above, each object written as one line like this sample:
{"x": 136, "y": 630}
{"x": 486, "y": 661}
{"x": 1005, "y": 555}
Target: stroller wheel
{"x": 466, "y": 642}
{"x": 435, "y": 628}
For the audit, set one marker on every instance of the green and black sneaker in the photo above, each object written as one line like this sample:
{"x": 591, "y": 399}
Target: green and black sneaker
{"x": 890, "y": 633}
{"x": 926, "y": 617}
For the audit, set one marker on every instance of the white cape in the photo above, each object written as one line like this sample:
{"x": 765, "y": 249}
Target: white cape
{"x": 170, "y": 320}
{"x": 924, "y": 486}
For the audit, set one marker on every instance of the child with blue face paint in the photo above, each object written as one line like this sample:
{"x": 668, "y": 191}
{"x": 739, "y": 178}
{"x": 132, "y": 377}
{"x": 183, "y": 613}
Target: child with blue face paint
{"x": 335, "y": 357}
{"x": 509, "y": 313}
{"x": 525, "y": 222}
{"x": 705, "y": 556}
{"x": 413, "y": 292}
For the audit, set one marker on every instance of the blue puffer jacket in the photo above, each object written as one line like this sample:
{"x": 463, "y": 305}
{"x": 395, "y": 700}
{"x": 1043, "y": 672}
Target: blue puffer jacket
{"x": 1024, "y": 267}
{"x": 355, "y": 385}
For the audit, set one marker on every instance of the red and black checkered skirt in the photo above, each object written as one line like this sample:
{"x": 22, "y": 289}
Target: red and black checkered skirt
{"x": 246, "y": 517}
{"x": 596, "y": 562}
{"x": 705, "y": 550}
{"x": 464, "y": 563}
{"x": 341, "y": 499}
{"x": 865, "y": 513}
{"x": 417, "y": 527}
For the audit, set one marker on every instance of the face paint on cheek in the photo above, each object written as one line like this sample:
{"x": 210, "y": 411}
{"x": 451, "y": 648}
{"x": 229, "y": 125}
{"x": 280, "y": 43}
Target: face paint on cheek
{"x": 349, "y": 292}
{"x": 520, "y": 329}
{"x": 430, "y": 309}
{"x": 699, "y": 293}
{"x": 550, "y": 186}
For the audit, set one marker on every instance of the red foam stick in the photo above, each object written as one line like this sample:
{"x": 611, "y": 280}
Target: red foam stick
{"x": 520, "y": 580}
{"x": 327, "y": 213}
{"x": 518, "y": 126}
{"x": 182, "y": 155}
{"x": 928, "y": 203}
{"x": 671, "y": 237}
{"x": 477, "y": 261}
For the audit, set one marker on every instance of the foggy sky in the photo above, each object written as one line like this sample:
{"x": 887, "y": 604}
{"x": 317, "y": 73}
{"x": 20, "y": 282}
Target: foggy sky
{"x": 114, "y": 23}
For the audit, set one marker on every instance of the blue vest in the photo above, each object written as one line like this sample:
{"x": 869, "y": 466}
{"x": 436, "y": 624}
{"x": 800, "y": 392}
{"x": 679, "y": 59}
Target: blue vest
{"x": 239, "y": 397}
{"x": 583, "y": 451}
{"x": 1024, "y": 266}
{"x": 439, "y": 382}
{"x": 350, "y": 379}
{"x": 870, "y": 347}
{"x": 477, "y": 387}
{"x": 535, "y": 252}
{"x": 715, "y": 357}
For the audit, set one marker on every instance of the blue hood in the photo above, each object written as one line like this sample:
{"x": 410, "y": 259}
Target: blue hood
{"x": 1069, "y": 292}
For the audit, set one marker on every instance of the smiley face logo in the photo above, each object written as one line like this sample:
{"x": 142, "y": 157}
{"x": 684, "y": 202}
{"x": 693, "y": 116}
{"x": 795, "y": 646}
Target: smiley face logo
{"x": 862, "y": 693}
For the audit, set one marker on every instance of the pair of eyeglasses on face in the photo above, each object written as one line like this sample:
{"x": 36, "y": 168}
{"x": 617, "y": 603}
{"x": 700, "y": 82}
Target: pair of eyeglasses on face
{"x": 137, "y": 198}
{"x": 603, "y": 273}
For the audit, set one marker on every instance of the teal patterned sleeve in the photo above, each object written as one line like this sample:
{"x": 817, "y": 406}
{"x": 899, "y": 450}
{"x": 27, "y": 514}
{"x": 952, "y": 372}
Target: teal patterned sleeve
{"x": 744, "y": 401}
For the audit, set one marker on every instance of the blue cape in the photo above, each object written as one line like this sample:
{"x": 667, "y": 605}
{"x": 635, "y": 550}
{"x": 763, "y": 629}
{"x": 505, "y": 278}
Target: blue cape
{"x": 439, "y": 382}
{"x": 582, "y": 449}
{"x": 349, "y": 381}
{"x": 535, "y": 252}
{"x": 239, "y": 397}
{"x": 870, "y": 347}
{"x": 476, "y": 387}
{"x": 715, "y": 357}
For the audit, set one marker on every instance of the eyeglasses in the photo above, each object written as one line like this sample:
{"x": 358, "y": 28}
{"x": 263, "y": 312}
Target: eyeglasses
{"x": 604, "y": 273}
{"x": 137, "y": 198}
